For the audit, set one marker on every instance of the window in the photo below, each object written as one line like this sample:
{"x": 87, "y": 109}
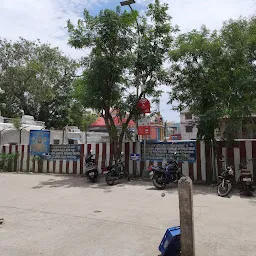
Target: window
{"x": 70, "y": 141}
{"x": 188, "y": 116}
{"x": 189, "y": 129}
{"x": 56, "y": 142}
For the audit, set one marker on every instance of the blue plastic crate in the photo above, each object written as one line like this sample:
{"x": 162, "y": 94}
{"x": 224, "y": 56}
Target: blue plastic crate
{"x": 170, "y": 245}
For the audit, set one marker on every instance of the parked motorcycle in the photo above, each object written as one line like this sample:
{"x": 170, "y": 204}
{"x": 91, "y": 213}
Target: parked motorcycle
{"x": 224, "y": 185}
{"x": 161, "y": 176}
{"x": 246, "y": 179}
{"x": 117, "y": 172}
{"x": 91, "y": 170}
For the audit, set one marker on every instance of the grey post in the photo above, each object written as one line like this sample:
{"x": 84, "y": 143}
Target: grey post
{"x": 186, "y": 217}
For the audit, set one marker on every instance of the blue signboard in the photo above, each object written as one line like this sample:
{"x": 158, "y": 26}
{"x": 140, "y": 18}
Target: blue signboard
{"x": 71, "y": 152}
{"x": 39, "y": 142}
{"x": 135, "y": 157}
{"x": 180, "y": 150}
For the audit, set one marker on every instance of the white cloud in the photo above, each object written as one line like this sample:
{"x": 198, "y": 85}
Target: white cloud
{"x": 42, "y": 19}
{"x": 46, "y": 20}
{"x": 191, "y": 14}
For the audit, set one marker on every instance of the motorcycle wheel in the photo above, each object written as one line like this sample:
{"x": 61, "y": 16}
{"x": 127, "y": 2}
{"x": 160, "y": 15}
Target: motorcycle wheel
{"x": 110, "y": 178}
{"x": 224, "y": 190}
{"x": 93, "y": 179}
{"x": 159, "y": 185}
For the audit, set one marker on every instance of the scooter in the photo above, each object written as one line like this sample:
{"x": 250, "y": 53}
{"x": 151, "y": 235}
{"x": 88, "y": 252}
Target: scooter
{"x": 91, "y": 170}
{"x": 246, "y": 179}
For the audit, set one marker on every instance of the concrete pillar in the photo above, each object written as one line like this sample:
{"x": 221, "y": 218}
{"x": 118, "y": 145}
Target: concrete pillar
{"x": 186, "y": 216}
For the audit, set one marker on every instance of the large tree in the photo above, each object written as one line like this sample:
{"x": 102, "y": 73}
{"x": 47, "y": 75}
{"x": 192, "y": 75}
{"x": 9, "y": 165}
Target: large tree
{"x": 37, "y": 80}
{"x": 127, "y": 51}
{"x": 214, "y": 75}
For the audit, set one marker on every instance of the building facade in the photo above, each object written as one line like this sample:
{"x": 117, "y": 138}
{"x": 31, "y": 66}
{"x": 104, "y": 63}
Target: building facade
{"x": 187, "y": 130}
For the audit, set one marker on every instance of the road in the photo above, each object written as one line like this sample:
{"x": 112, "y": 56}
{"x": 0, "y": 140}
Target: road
{"x": 64, "y": 215}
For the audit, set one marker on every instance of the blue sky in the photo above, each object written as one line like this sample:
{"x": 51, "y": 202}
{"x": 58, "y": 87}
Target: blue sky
{"x": 46, "y": 20}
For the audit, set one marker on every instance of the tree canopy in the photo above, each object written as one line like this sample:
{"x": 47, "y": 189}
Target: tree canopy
{"x": 214, "y": 75}
{"x": 126, "y": 51}
{"x": 37, "y": 80}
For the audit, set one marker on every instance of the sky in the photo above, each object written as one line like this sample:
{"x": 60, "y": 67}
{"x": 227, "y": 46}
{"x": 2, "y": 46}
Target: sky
{"x": 46, "y": 20}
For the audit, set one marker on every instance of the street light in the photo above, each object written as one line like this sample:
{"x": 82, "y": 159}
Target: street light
{"x": 129, "y": 2}
{"x": 125, "y": 3}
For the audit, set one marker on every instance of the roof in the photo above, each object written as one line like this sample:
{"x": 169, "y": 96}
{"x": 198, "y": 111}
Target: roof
{"x": 100, "y": 122}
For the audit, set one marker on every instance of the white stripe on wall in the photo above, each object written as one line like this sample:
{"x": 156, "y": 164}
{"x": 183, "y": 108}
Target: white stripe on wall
{"x": 248, "y": 146}
{"x": 36, "y": 165}
{"x": 57, "y": 168}
{"x": 24, "y": 164}
{"x": 195, "y": 170}
{"x": 44, "y": 166}
{"x": 93, "y": 147}
{"x": 131, "y": 164}
{"x": 31, "y": 162}
{"x": 107, "y": 154}
{"x": 78, "y": 167}
{"x": 203, "y": 161}
{"x": 236, "y": 162}
{"x": 64, "y": 167}
{"x": 185, "y": 168}
{"x": 138, "y": 151}
{"x": 70, "y": 169}
{"x": 50, "y": 166}
{"x": 13, "y": 152}
{"x": 100, "y": 157}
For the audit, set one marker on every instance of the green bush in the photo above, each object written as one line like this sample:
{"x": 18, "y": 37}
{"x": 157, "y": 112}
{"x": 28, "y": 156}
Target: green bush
{"x": 6, "y": 161}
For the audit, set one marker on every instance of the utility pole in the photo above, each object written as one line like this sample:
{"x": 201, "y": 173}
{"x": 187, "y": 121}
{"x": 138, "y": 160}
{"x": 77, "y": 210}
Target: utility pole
{"x": 128, "y": 3}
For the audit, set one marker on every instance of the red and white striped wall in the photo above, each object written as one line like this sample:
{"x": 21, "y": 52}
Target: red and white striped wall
{"x": 198, "y": 171}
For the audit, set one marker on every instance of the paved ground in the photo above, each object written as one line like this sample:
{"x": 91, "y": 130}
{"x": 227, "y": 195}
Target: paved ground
{"x": 60, "y": 215}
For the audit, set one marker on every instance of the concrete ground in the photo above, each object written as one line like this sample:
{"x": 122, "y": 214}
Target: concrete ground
{"x": 63, "y": 215}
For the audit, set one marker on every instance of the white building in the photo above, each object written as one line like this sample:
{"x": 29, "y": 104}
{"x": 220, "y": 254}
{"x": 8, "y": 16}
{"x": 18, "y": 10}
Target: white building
{"x": 9, "y": 134}
{"x": 187, "y": 129}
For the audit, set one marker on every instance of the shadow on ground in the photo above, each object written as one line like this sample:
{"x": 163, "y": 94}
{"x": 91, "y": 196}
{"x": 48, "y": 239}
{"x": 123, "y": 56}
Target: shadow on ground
{"x": 82, "y": 182}
{"x": 73, "y": 181}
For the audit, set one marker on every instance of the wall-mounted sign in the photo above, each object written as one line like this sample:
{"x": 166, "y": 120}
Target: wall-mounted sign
{"x": 64, "y": 152}
{"x": 39, "y": 141}
{"x": 158, "y": 151}
{"x": 144, "y": 121}
{"x": 143, "y": 130}
{"x": 144, "y": 126}
{"x": 135, "y": 157}
{"x": 144, "y": 105}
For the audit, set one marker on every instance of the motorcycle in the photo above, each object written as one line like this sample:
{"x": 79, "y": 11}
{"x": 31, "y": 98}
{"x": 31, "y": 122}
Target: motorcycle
{"x": 224, "y": 185}
{"x": 246, "y": 179}
{"x": 91, "y": 170}
{"x": 116, "y": 172}
{"x": 161, "y": 176}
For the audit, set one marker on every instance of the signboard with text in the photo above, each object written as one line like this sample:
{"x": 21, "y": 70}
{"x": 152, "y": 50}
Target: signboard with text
{"x": 64, "y": 152}
{"x": 144, "y": 126}
{"x": 135, "y": 157}
{"x": 181, "y": 150}
{"x": 143, "y": 130}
